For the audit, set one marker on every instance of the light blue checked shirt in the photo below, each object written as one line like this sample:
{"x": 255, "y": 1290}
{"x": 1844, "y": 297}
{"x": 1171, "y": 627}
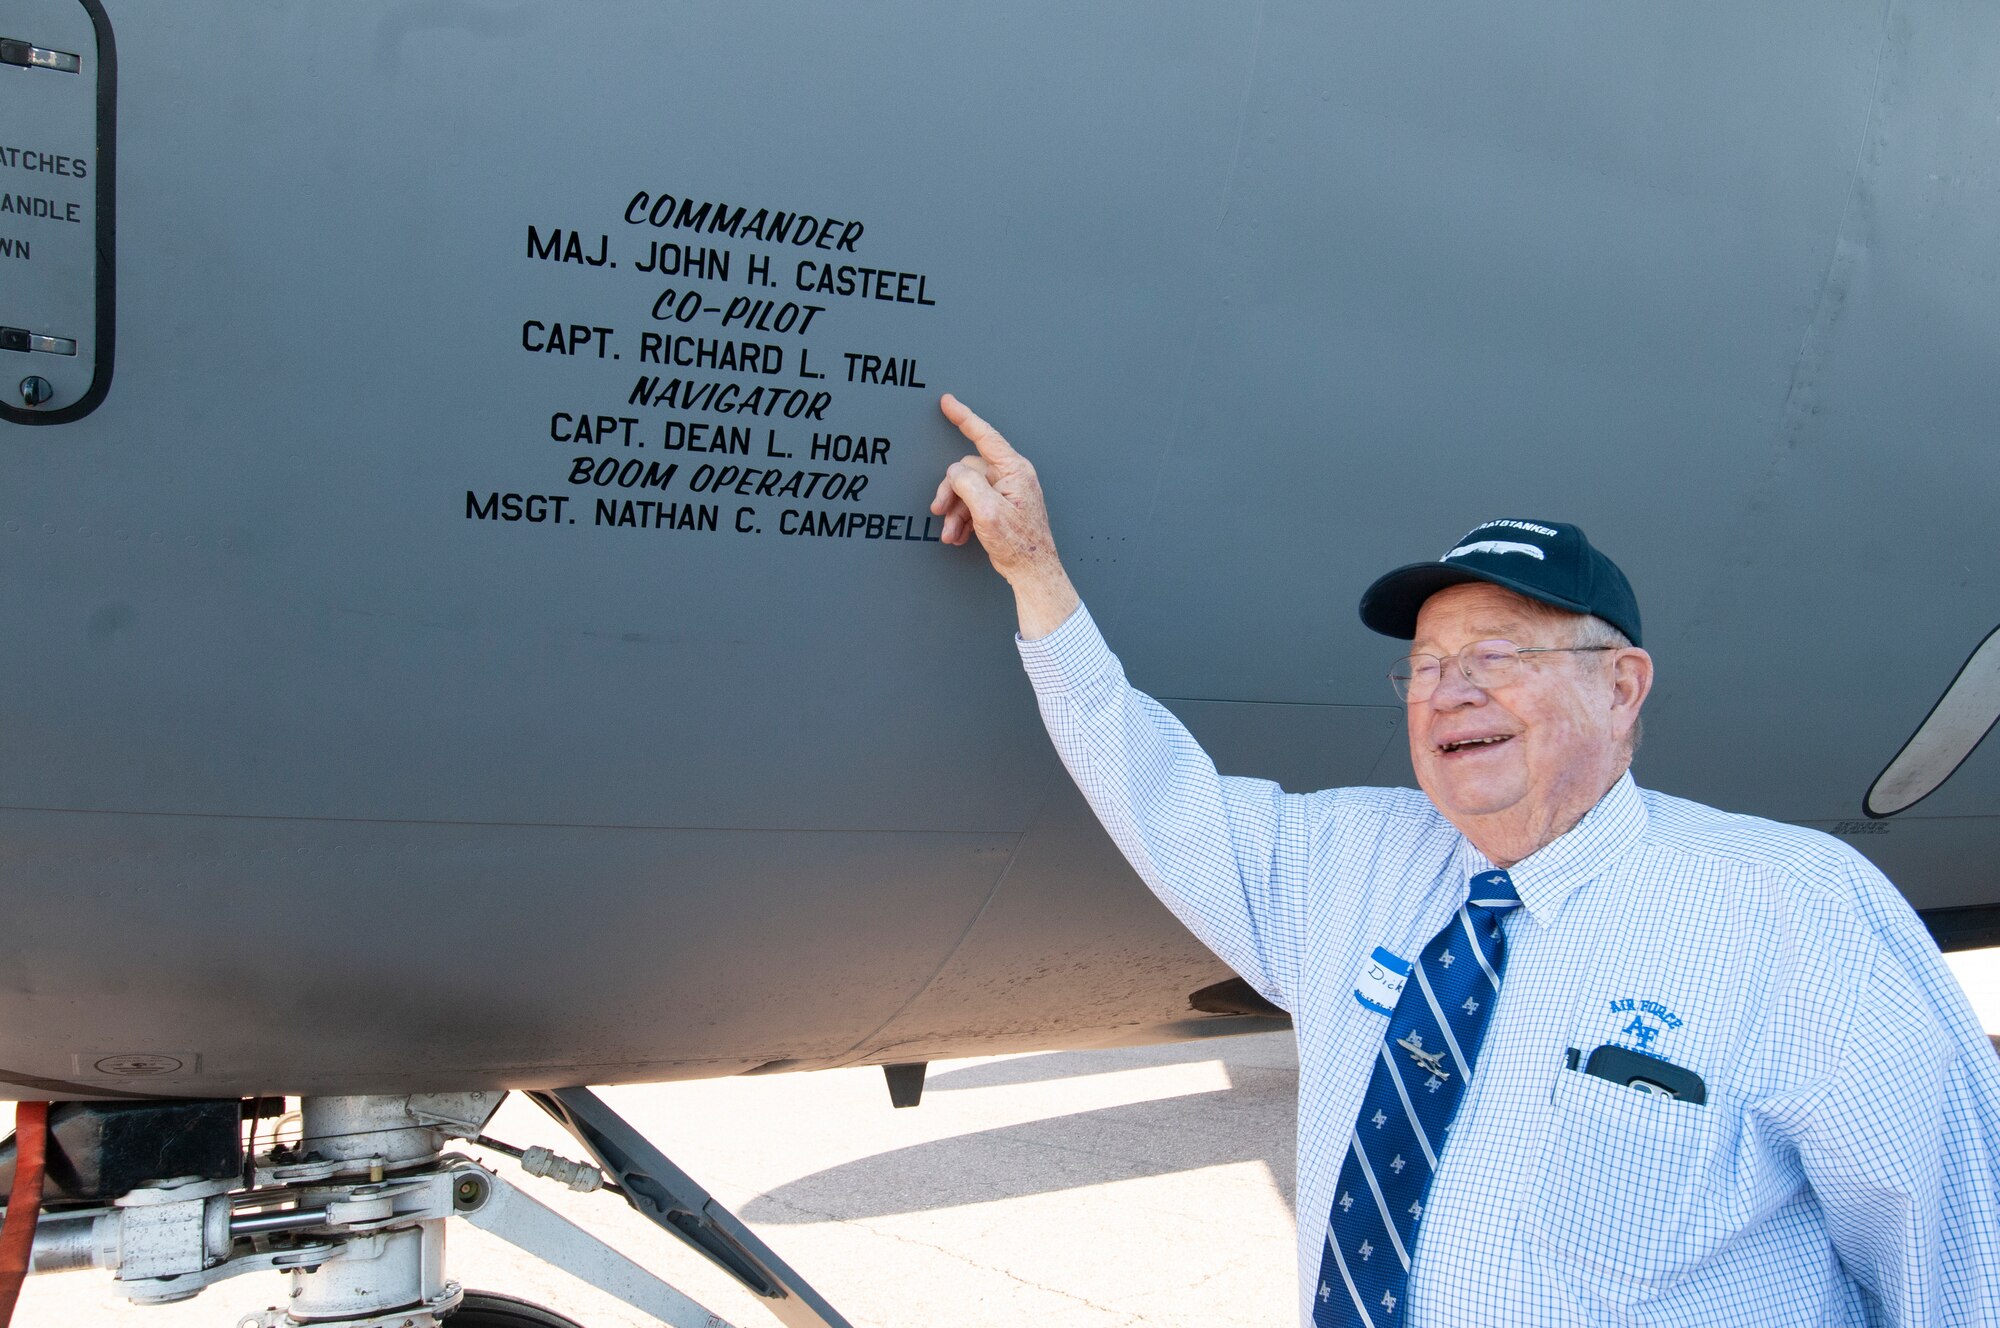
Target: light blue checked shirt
{"x": 1843, "y": 1168}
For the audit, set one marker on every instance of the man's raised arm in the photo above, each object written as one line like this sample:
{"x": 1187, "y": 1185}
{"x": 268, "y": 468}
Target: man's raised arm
{"x": 994, "y": 494}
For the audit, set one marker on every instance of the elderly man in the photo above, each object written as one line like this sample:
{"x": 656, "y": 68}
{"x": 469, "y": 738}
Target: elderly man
{"x": 1569, "y": 1052}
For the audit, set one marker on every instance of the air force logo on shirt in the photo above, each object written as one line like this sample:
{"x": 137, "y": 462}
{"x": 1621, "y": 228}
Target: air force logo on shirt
{"x": 1380, "y": 983}
{"x": 1648, "y": 1019}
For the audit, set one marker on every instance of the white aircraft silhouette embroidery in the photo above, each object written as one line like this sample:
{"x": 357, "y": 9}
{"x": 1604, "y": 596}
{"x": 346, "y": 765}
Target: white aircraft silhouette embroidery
{"x": 1494, "y": 546}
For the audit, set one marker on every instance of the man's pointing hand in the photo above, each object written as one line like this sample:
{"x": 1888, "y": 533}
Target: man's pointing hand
{"x": 995, "y": 495}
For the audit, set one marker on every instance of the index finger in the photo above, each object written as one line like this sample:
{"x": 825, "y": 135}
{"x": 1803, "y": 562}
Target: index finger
{"x": 977, "y": 431}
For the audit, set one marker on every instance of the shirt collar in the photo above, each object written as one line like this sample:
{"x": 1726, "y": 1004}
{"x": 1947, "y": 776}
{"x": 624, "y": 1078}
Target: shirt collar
{"x": 1546, "y": 877}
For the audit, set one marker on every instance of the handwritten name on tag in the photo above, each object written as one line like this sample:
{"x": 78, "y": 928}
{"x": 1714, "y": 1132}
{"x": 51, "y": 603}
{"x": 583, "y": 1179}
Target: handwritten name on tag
{"x": 1380, "y": 983}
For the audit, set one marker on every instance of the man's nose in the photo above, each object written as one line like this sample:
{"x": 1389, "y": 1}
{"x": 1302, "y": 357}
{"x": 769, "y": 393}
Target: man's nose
{"x": 1454, "y": 688}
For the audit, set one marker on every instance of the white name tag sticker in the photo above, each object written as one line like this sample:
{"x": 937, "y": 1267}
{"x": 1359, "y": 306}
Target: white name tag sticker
{"x": 1380, "y": 983}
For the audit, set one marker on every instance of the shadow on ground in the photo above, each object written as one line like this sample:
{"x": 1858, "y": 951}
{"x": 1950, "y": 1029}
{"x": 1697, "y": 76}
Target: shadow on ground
{"x": 1253, "y": 1120}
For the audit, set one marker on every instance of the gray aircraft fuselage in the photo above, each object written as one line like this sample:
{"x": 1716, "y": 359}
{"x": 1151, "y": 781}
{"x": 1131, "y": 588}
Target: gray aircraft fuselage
{"x": 470, "y": 613}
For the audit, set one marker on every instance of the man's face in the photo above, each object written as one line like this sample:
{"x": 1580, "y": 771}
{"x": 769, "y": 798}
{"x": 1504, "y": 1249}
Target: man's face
{"x": 1533, "y": 755}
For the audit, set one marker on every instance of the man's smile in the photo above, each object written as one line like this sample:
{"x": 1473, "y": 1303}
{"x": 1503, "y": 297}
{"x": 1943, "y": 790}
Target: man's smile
{"x": 1457, "y": 745}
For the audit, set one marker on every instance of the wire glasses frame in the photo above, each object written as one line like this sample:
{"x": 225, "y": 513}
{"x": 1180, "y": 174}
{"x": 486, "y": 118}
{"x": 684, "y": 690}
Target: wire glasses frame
{"x": 1486, "y": 665}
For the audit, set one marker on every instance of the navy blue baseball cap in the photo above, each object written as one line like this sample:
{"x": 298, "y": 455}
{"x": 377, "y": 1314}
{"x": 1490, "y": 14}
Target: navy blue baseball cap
{"x": 1544, "y": 560}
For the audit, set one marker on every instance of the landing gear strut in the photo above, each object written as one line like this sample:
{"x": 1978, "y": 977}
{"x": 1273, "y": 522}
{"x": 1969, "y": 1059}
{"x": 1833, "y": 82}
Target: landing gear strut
{"x": 356, "y": 1213}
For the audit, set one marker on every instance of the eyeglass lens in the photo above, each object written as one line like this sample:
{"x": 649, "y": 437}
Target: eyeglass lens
{"x": 1486, "y": 664}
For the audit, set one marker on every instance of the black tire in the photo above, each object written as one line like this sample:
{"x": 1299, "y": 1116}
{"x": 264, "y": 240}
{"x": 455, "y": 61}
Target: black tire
{"x": 490, "y": 1309}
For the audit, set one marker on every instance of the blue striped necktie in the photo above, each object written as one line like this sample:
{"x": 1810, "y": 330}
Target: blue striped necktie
{"x": 1422, "y": 1070}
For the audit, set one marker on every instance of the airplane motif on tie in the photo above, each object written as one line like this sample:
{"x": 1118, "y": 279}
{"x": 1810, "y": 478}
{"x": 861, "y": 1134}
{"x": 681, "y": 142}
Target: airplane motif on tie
{"x": 1431, "y": 1062}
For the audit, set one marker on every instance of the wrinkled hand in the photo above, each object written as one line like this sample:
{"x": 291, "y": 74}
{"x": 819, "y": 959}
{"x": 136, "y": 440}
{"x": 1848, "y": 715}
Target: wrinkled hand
{"x": 995, "y": 495}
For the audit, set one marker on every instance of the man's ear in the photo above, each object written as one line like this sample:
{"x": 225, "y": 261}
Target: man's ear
{"x": 1631, "y": 680}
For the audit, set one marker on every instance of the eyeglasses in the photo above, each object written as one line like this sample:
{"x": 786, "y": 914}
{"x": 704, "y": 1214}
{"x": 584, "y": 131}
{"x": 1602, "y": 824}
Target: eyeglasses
{"x": 1486, "y": 665}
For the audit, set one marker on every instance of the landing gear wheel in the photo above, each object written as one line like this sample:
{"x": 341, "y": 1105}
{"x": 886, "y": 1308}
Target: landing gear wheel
{"x": 490, "y": 1309}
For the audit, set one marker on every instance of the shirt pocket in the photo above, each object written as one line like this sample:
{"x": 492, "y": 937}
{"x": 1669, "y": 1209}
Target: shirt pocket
{"x": 1616, "y": 1185}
